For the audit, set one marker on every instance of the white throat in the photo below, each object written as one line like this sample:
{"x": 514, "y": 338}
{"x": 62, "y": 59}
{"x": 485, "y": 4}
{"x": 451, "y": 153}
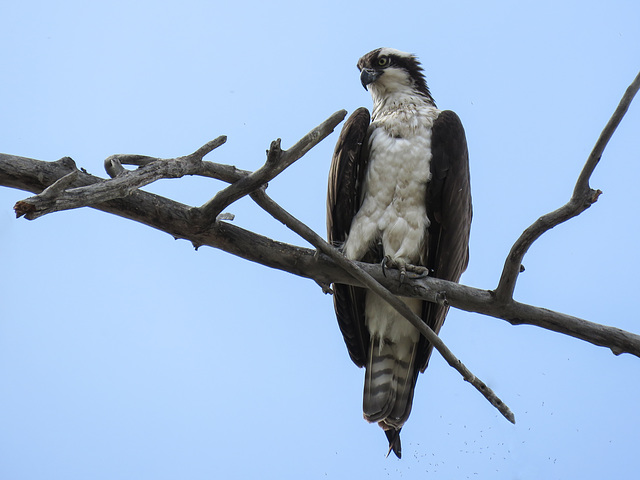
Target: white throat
{"x": 394, "y": 91}
{"x": 385, "y": 102}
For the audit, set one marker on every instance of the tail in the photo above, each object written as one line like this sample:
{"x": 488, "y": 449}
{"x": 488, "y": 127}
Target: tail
{"x": 389, "y": 383}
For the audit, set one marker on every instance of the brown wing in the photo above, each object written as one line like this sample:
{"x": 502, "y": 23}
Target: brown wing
{"x": 343, "y": 201}
{"x": 449, "y": 210}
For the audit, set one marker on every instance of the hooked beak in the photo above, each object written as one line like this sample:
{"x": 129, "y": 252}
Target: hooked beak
{"x": 368, "y": 76}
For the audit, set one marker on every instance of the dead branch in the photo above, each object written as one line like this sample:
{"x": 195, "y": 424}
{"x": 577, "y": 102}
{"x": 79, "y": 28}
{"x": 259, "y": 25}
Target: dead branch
{"x": 582, "y": 198}
{"x": 57, "y": 197}
{"x": 277, "y": 161}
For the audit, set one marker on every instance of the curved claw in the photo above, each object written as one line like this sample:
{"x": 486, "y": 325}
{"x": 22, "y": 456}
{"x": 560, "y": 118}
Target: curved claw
{"x": 384, "y": 266}
{"x": 402, "y": 266}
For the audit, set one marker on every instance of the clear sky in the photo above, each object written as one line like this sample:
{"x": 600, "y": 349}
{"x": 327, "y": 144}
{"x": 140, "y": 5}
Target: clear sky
{"x": 125, "y": 354}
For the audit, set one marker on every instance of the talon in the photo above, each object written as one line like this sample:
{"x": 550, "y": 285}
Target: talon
{"x": 384, "y": 265}
{"x": 403, "y": 271}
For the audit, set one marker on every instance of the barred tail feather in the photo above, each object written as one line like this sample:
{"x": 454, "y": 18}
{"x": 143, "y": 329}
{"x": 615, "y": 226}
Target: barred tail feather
{"x": 379, "y": 389}
{"x": 388, "y": 387}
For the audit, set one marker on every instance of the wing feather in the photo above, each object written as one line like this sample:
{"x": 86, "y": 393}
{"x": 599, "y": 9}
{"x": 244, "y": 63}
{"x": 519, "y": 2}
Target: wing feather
{"x": 449, "y": 210}
{"x": 343, "y": 201}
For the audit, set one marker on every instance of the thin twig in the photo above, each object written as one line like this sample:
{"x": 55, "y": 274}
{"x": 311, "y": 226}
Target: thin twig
{"x": 277, "y": 161}
{"x": 582, "y": 198}
{"x": 113, "y": 163}
{"x": 594, "y": 157}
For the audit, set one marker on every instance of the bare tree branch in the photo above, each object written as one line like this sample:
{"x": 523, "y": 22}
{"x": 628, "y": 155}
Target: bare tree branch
{"x": 582, "y": 198}
{"x": 124, "y": 183}
{"x": 594, "y": 157}
{"x": 113, "y": 164}
{"x": 277, "y": 161}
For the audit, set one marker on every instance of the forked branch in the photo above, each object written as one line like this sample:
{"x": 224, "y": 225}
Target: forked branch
{"x": 277, "y": 161}
{"x": 59, "y": 196}
{"x": 582, "y": 198}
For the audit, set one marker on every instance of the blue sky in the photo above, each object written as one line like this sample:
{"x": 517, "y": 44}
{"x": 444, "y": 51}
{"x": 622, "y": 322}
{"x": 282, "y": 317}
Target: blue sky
{"x": 126, "y": 354}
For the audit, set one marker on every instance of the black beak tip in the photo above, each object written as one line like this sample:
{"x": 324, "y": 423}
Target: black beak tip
{"x": 368, "y": 76}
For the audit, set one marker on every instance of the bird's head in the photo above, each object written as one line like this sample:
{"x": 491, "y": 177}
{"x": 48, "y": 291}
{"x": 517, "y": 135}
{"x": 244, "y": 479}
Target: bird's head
{"x": 387, "y": 71}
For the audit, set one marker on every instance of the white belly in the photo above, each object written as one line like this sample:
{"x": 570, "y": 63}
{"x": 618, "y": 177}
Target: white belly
{"x": 393, "y": 208}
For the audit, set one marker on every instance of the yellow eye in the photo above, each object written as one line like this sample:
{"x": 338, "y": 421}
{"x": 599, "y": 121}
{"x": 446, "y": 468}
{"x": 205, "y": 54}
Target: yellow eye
{"x": 383, "y": 61}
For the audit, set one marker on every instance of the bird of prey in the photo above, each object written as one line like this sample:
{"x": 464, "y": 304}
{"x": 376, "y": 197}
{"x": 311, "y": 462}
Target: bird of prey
{"x": 399, "y": 193}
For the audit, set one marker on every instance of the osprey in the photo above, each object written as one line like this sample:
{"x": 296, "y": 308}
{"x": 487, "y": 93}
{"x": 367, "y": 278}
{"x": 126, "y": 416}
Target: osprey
{"x": 399, "y": 193}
